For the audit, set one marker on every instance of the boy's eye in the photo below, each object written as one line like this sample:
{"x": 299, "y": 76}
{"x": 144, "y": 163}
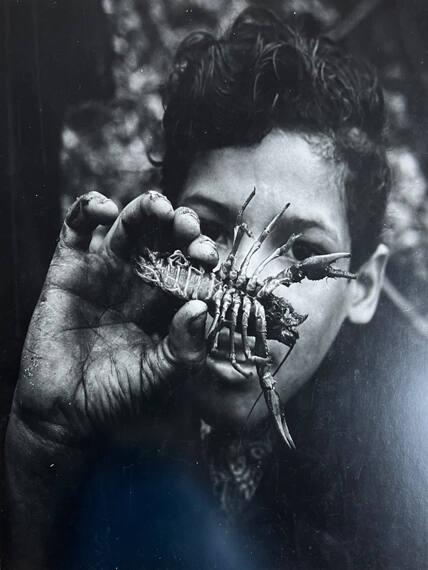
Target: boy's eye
{"x": 303, "y": 249}
{"x": 216, "y": 231}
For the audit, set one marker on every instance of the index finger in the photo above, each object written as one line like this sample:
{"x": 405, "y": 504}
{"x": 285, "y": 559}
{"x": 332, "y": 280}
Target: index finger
{"x": 187, "y": 234}
{"x": 146, "y": 214}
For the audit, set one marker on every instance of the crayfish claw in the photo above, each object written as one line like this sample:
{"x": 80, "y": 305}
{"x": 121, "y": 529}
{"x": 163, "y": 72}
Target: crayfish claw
{"x": 319, "y": 266}
{"x": 273, "y": 403}
{"x": 334, "y": 272}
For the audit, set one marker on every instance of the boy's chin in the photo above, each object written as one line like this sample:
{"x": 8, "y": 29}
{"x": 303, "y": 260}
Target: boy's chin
{"x": 230, "y": 412}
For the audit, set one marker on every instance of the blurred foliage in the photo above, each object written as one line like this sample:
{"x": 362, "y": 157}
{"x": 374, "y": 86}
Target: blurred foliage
{"x": 107, "y": 146}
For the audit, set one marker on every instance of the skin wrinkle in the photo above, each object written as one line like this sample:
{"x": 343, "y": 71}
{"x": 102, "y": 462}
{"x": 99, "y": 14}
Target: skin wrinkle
{"x": 111, "y": 269}
{"x": 115, "y": 393}
{"x": 79, "y": 406}
{"x": 119, "y": 394}
{"x": 132, "y": 396}
{"x": 141, "y": 377}
{"x": 105, "y": 396}
{"x": 148, "y": 372}
{"x": 95, "y": 409}
{"x": 115, "y": 366}
{"x": 110, "y": 387}
{"x": 88, "y": 381}
{"x": 81, "y": 394}
{"x": 84, "y": 362}
{"x": 98, "y": 326}
{"x": 107, "y": 406}
{"x": 122, "y": 395}
{"x": 52, "y": 286}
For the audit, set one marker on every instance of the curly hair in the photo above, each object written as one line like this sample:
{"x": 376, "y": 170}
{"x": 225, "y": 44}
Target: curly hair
{"x": 267, "y": 73}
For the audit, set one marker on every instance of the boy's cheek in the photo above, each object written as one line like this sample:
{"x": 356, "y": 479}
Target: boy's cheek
{"x": 325, "y": 302}
{"x": 302, "y": 364}
{"x": 325, "y": 318}
{"x": 326, "y": 309}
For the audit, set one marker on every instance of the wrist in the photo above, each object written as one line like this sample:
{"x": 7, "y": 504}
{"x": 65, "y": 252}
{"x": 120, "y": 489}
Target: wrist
{"x": 43, "y": 476}
{"x": 43, "y": 452}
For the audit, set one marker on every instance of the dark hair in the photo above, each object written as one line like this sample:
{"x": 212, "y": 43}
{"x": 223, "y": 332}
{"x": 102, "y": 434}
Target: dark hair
{"x": 267, "y": 73}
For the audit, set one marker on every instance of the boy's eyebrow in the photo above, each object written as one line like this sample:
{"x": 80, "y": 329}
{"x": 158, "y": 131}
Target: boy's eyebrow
{"x": 298, "y": 224}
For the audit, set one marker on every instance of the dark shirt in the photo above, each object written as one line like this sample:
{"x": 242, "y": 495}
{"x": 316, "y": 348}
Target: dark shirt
{"x": 153, "y": 507}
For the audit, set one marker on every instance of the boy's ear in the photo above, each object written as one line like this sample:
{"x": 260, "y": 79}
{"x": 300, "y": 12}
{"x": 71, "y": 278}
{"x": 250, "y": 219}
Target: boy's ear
{"x": 365, "y": 290}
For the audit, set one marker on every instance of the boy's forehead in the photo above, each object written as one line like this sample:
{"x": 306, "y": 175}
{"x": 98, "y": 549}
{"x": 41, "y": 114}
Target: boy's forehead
{"x": 284, "y": 167}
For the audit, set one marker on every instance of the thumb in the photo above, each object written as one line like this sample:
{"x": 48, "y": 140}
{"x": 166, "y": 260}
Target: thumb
{"x": 185, "y": 344}
{"x": 186, "y": 338}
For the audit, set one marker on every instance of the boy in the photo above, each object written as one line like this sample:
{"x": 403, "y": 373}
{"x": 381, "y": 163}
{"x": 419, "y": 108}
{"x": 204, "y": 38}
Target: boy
{"x": 268, "y": 106}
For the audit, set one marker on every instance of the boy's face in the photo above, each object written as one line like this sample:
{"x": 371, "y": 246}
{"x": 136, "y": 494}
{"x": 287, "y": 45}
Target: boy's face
{"x": 283, "y": 168}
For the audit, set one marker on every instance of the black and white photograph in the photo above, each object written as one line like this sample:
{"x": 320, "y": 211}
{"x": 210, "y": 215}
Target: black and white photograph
{"x": 214, "y": 285}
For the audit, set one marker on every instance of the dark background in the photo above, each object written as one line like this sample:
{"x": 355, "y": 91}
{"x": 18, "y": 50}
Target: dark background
{"x": 80, "y": 106}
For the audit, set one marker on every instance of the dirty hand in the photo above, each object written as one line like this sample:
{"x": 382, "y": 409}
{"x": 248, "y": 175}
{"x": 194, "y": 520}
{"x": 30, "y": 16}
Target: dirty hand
{"x": 88, "y": 359}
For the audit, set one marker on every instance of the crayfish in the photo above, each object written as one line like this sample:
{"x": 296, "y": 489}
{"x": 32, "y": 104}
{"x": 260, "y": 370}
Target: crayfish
{"x": 243, "y": 302}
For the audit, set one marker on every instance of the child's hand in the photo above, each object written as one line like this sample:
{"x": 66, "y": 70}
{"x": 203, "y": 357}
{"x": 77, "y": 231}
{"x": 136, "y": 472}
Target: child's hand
{"x": 88, "y": 360}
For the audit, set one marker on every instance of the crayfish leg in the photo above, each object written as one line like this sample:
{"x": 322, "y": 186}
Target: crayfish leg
{"x": 279, "y": 252}
{"x": 219, "y": 321}
{"x": 257, "y": 244}
{"x": 217, "y": 300}
{"x": 239, "y": 230}
{"x": 246, "y": 311}
{"x": 236, "y": 305}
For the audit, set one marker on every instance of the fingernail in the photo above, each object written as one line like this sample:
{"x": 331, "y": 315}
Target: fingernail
{"x": 74, "y": 213}
{"x": 188, "y": 212}
{"x": 102, "y": 199}
{"x": 155, "y": 195}
{"x": 196, "y": 323}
